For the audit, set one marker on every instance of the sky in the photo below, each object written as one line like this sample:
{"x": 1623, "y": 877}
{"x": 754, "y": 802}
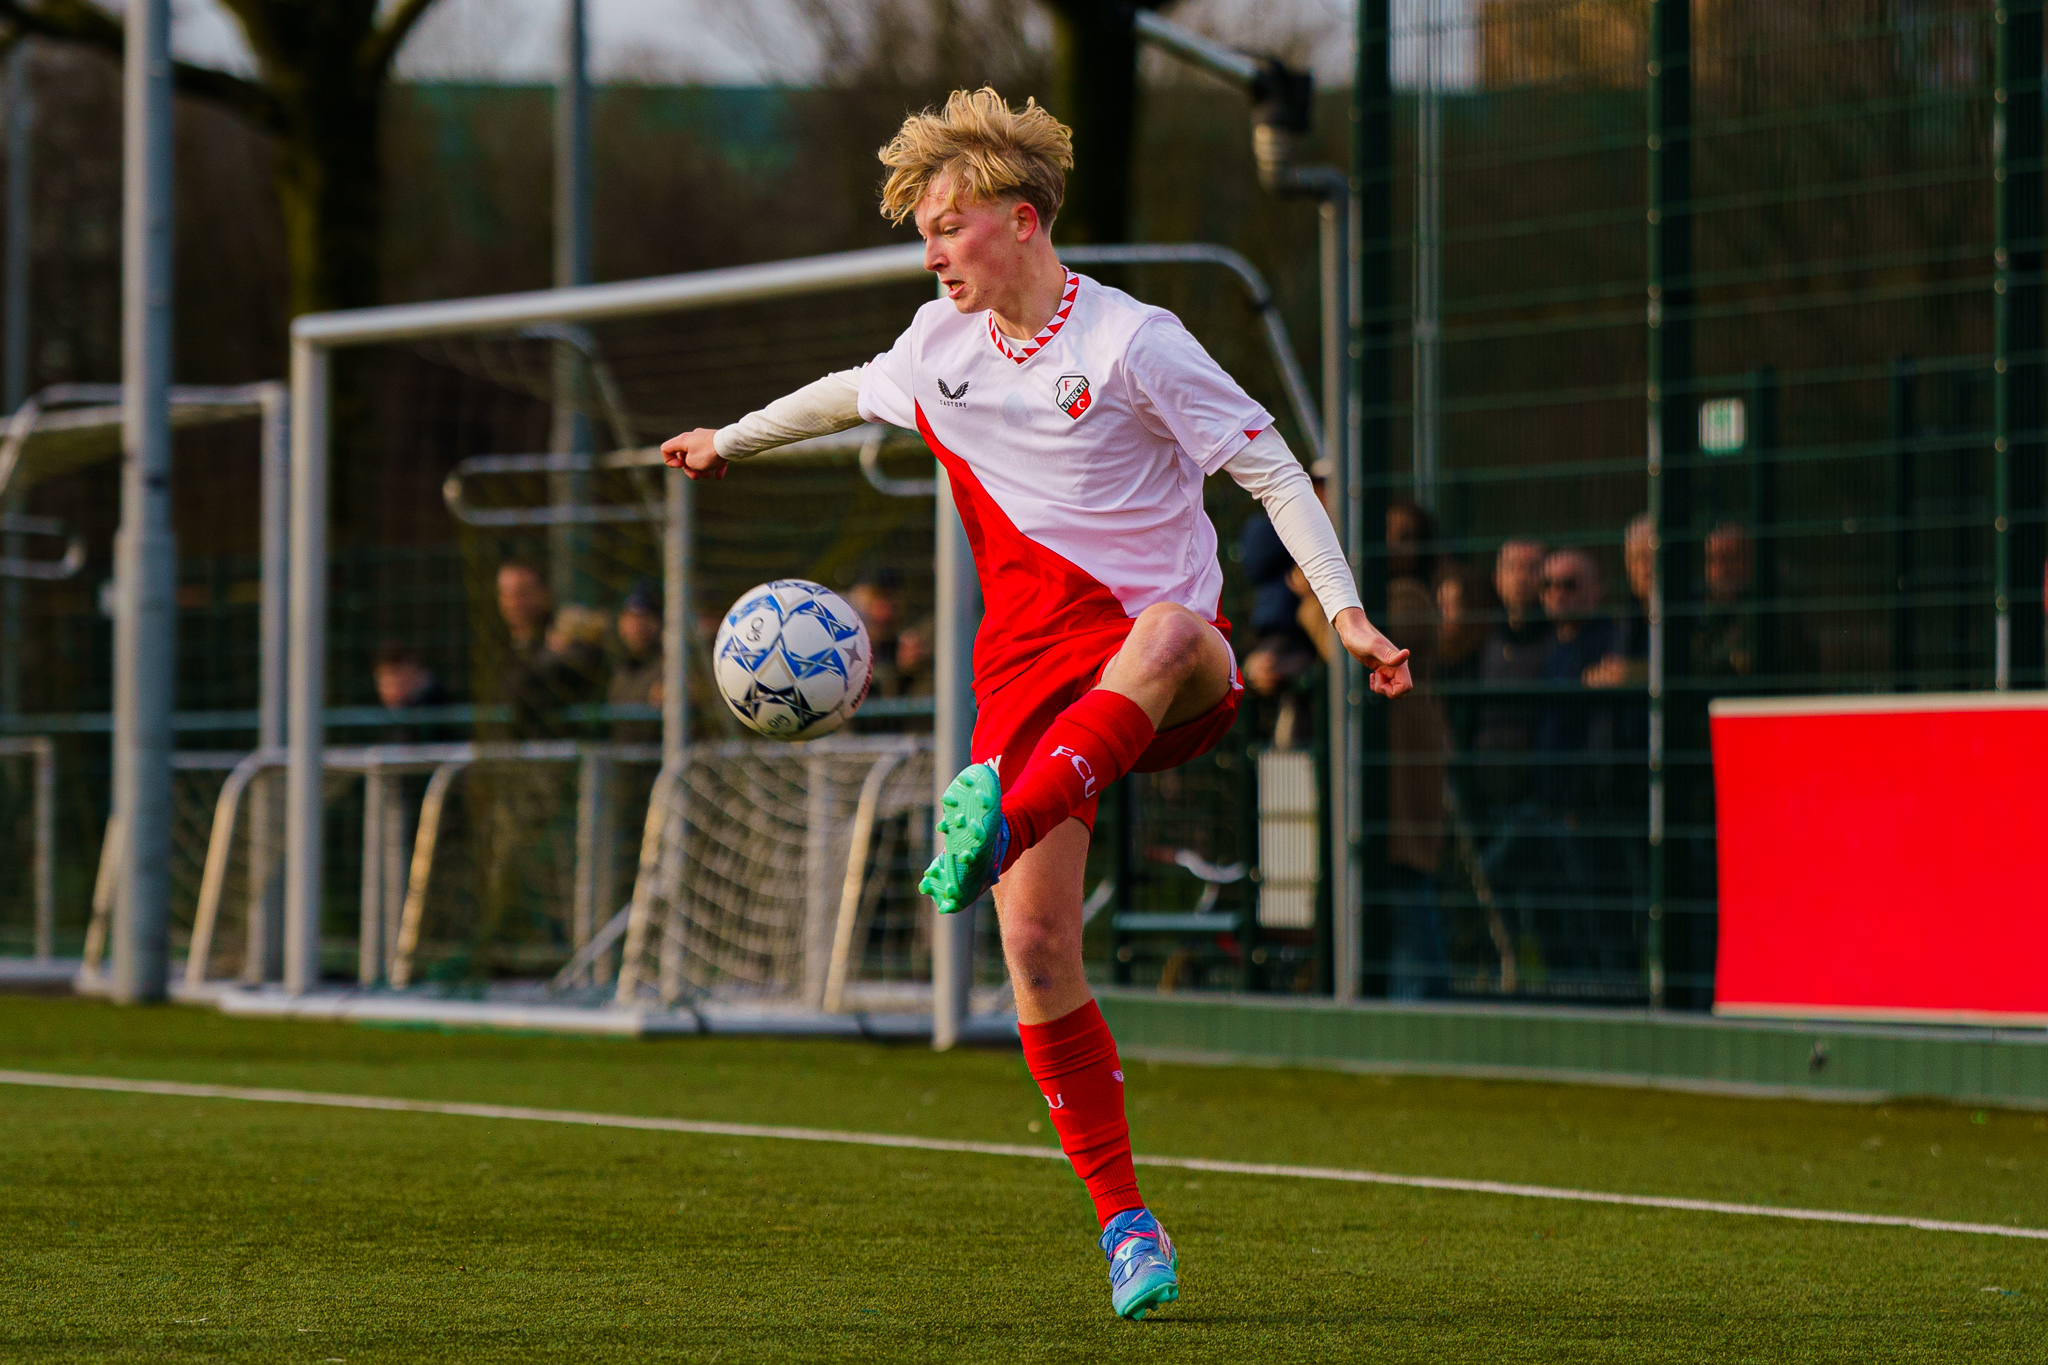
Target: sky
{"x": 743, "y": 42}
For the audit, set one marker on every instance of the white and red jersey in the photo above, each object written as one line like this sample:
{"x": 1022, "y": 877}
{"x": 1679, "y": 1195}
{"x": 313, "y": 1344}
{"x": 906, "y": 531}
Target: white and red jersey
{"x": 1076, "y": 460}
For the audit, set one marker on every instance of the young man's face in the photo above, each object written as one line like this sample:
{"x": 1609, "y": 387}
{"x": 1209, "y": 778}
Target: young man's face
{"x": 1518, "y": 576}
{"x": 523, "y": 600}
{"x": 399, "y": 683}
{"x": 976, "y": 250}
{"x": 639, "y": 631}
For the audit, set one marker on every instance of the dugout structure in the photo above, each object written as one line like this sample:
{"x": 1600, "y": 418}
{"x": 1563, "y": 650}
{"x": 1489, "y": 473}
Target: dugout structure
{"x": 680, "y": 941}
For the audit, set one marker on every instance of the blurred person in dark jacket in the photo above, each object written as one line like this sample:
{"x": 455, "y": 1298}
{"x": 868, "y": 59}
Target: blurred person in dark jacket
{"x": 1500, "y": 793}
{"x": 1727, "y": 636}
{"x": 1418, "y": 737}
{"x": 639, "y": 669}
{"x": 404, "y": 683}
{"x": 877, "y": 597}
{"x": 555, "y": 659}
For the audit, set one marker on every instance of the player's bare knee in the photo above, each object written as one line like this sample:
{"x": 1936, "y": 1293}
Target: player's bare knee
{"x": 1039, "y": 950}
{"x": 1171, "y": 640}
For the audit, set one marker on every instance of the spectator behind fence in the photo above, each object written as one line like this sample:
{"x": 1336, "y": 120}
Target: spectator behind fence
{"x": 1418, "y": 738}
{"x": 639, "y": 671}
{"x": 1623, "y": 786}
{"x": 1727, "y": 638}
{"x": 1575, "y": 732}
{"x": 548, "y": 666}
{"x": 404, "y": 683}
{"x": 1627, "y": 662}
{"x": 877, "y": 598}
{"x": 1580, "y": 637}
{"x": 1511, "y": 663}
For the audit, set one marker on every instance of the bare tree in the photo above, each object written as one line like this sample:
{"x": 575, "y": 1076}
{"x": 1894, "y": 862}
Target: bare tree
{"x": 322, "y": 66}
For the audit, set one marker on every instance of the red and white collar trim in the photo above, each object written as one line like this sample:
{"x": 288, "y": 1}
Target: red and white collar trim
{"x": 1020, "y": 354}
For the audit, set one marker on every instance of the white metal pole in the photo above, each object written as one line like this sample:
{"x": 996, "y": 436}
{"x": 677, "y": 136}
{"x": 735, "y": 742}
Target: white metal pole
{"x": 46, "y": 849}
{"x": 20, "y": 122}
{"x": 306, "y": 678}
{"x": 264, "y": 960}
{"x": 146, "y": 577}
{"x": 1345, "y": 929}
{"x": 571, "y": 433}
{"x": 676, "y": 624}
{"x": 958, "y": 614}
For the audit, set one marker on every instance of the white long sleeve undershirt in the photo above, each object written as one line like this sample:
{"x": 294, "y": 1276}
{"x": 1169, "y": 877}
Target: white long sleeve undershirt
{"x": 1265, "y": 468}
{"x": 1268, "y": 471}
{"x": 817, "y": 409}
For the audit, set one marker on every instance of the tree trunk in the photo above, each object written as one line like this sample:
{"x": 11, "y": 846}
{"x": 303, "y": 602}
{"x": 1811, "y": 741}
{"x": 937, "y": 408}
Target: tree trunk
{"x": 1095, "y": 92}
{"x": 330, "y": 187}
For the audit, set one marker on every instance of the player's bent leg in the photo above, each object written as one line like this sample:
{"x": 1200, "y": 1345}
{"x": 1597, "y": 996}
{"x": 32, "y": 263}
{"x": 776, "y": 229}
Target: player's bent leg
{"x": 1038, "y": 905}
{"x": 1073, "y": 1058}
{"x": 1174, "y": 665}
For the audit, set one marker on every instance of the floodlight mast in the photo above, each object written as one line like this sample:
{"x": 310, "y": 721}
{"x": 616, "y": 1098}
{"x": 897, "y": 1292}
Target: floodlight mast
{"x": 1282, "y": 100}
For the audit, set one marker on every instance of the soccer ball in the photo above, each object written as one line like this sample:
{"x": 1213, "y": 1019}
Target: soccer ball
{"x": 792, "y": 659}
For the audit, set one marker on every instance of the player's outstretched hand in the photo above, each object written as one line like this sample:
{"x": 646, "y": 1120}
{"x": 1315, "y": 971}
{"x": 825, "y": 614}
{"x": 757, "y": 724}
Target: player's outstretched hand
{"x": 693, "y": 453}
{"x": 1387, "y": 663}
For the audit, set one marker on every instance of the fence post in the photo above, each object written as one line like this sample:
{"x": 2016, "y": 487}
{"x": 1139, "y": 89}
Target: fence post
{"x": 1358, "y": 731}
{"x": 370, "y": 935}
{"x": 306, "y": 726}
{"x": 2020, "y": 495}
{"x": 1671, "y": 433}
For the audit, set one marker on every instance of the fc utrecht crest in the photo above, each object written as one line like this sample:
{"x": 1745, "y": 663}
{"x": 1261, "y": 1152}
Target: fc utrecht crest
{"x": 1072, "y": 396}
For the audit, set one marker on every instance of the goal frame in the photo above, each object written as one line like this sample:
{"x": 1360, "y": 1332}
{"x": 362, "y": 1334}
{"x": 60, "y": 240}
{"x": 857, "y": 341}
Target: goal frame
{"x": 315, "y": 338}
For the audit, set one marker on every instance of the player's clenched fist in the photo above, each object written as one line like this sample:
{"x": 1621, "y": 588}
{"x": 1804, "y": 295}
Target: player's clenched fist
{"x": 1388, "y": 663}
{"x": 693, "y": 453}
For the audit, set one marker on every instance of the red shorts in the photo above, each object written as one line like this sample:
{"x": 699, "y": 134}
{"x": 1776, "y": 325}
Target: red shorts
{"x": 1011, "y": 720}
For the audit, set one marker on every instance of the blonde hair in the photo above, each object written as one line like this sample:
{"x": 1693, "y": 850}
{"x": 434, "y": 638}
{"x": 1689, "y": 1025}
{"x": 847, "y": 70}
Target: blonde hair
{"x": 984, "y": 150}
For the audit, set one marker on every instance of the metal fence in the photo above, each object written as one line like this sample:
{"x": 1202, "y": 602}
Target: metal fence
{"x": 1704, "y": 358}
{"x": 1718, "y": 373}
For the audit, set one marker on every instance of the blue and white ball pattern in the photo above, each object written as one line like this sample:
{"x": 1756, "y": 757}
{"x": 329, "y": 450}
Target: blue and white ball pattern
{"x": 792, "y": 659}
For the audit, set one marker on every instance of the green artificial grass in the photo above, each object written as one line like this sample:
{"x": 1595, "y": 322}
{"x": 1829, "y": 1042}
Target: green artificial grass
{"x": 138, "y": 1227}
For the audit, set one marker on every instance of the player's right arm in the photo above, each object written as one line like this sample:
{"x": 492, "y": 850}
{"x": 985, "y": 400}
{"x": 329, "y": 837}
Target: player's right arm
{"x": 878, "y": 391}
{"x": 817, "y": 409}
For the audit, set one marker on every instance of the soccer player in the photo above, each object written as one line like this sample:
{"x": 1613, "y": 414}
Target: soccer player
{"x": 1076, "y": 426}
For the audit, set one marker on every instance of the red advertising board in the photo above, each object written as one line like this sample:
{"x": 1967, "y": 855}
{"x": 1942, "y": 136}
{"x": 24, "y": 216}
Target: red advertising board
{"x": 1883, "y": 857}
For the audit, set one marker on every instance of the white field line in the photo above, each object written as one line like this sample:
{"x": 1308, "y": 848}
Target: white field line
{"x": 923, "y": 1144}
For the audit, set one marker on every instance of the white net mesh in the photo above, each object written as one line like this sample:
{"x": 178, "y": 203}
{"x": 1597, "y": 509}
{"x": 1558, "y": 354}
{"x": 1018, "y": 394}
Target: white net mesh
{"x": 744, "y": 890}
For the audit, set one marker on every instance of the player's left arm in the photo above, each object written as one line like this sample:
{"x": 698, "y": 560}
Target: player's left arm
{"x": 1267, "y": 470}
{"x": 1179, "y": 390}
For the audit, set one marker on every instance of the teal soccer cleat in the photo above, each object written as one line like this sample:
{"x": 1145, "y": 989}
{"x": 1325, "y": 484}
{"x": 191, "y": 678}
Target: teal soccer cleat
{"x": 1144, "y": 1269}
{"x": 977, "y": 840}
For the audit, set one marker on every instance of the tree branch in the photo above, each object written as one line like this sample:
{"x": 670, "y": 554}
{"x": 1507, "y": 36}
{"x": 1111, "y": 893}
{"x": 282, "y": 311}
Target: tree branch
{"x": 381, "y": 48}
{"x": 85, "y": 23}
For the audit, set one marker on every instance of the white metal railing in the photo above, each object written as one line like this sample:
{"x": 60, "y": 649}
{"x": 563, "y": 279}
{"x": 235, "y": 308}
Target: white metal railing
{"x": 391, "y": 918}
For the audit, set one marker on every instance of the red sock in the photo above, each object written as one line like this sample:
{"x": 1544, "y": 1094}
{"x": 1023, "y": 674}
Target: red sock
{"x": 1088, "y": 746}
{"x": 1074, "y": 1061}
